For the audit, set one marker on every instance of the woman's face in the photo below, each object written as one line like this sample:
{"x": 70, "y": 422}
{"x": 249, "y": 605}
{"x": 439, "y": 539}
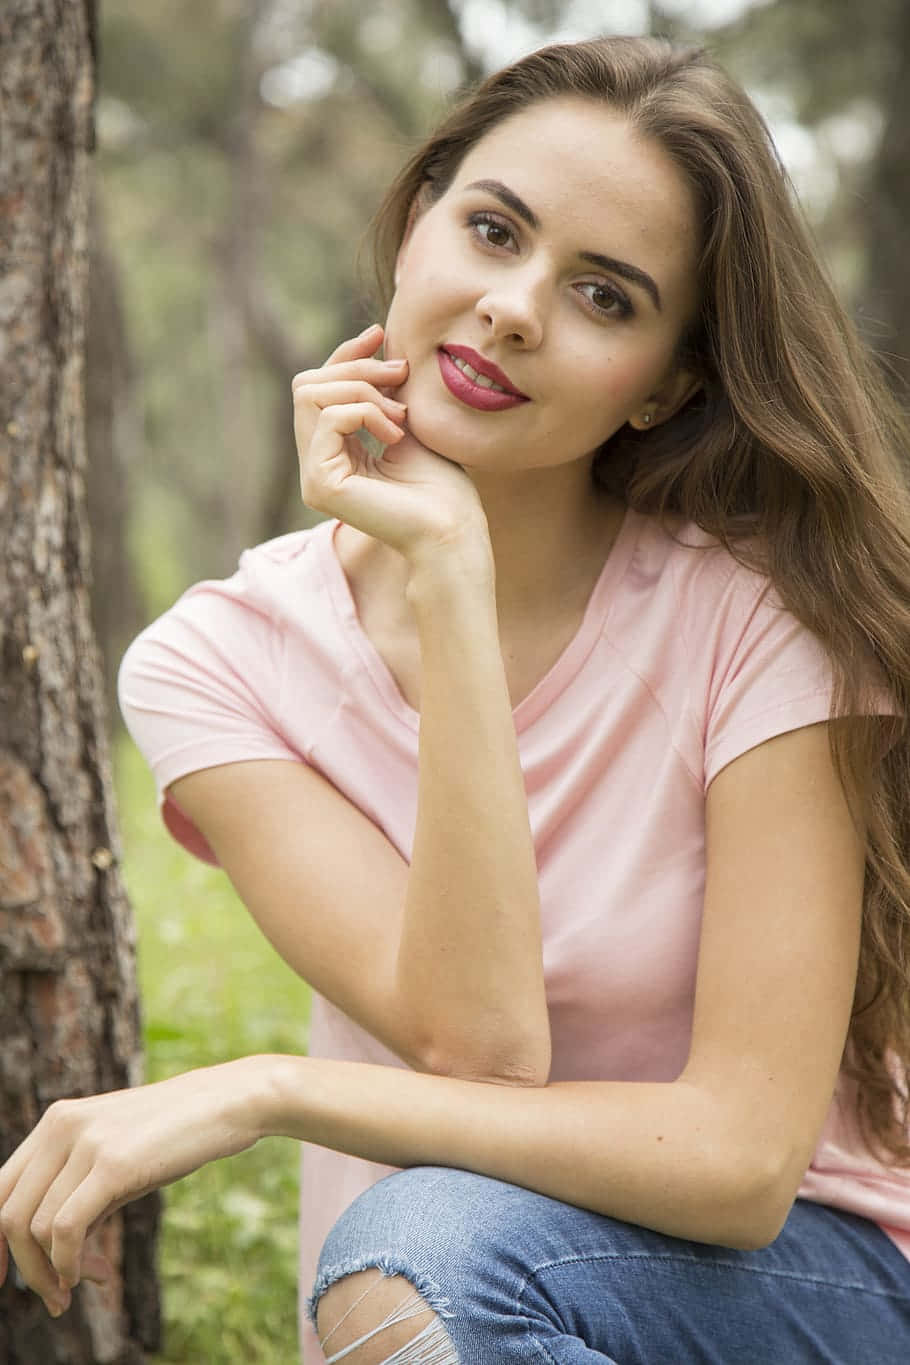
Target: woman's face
{"x": 564, "y": 253}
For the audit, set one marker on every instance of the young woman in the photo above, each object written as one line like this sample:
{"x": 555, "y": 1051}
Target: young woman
{"x": 568, "y": 760}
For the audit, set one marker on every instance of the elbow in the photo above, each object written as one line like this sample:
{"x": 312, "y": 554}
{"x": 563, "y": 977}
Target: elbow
{"x": 745, "y": 1167}
{"x": 760, "y": 1196}
{"x": 755, "y": 1229}
{"x": 523, "y": 1065}
{"x": 759, "y": 1225}
{"x": 769, "y": 1207}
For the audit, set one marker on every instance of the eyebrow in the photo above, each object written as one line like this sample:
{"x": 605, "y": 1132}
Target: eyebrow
{"x": 609, "y": 263}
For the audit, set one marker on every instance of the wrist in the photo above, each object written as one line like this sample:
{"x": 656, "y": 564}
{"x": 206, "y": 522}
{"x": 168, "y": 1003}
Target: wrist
{"x": 252, "y": 1099}
{"x": 271, "y": 1094}
{"x": 449, "y": 569}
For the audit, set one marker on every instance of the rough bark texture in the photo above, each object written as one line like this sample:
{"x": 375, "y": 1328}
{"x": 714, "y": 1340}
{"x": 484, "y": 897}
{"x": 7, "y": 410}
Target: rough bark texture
{"x": 68, "y": 1003}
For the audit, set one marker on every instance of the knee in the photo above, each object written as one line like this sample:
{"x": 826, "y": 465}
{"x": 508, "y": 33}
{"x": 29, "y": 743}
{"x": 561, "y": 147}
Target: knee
{"x": 372, "y": 1318}
{"x": 408, "y": 1254}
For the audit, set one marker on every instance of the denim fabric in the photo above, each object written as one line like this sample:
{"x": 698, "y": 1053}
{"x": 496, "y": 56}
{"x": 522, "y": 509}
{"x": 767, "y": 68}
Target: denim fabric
{"x": 518, "y": 1277}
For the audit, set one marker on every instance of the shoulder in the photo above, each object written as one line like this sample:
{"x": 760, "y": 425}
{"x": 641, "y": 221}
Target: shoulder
{"x": 271, "y": 577}
{"x": 683, "y": 584}
{"x": 687, "y": 563}
{"x": 257, "y": 598}
{"x": 229, "y": 634}
{"x": 711, "y": 637}
{"x": 206, "y": 683}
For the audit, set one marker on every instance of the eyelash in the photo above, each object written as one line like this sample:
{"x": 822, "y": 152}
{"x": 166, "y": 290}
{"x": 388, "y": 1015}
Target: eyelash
{"x": 617, "y": 297}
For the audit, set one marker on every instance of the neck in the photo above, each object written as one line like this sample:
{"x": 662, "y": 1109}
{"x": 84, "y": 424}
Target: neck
{"x": 550, "y": 539}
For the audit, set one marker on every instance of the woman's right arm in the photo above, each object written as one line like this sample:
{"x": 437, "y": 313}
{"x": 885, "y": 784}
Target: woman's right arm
{"x": 440, "y": 961}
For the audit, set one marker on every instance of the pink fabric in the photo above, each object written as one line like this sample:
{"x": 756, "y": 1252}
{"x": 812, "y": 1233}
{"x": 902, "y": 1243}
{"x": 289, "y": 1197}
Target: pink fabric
{"x": 683, "y": 662}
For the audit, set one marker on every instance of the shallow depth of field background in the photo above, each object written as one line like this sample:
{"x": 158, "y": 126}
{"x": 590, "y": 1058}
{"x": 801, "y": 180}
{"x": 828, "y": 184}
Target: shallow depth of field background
{"x": 242, "y": 147}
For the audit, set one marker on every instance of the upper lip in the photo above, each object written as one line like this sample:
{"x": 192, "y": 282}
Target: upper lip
{"x": 484, "y": 366}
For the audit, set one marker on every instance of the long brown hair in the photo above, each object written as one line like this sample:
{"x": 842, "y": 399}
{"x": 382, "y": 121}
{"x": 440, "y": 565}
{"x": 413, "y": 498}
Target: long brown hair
{"x": 791, "y": 455}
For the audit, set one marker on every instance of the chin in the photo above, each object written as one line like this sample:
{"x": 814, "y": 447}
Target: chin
{"x": 432, "y": 429}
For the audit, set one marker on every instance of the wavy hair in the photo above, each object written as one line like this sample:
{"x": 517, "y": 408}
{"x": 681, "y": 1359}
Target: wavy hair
{"x": 791, "y": 455}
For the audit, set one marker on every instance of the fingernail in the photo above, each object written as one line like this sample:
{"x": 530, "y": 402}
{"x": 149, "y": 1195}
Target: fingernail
{"x": 367, "y": 330}
{"x": 57, "y": 1305}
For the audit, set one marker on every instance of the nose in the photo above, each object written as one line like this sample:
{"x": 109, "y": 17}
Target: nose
{"x": 512, "y": 309}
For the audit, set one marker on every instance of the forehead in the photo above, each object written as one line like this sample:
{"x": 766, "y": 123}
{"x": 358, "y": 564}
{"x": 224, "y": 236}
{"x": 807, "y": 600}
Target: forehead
{"x": 584, "y": 169}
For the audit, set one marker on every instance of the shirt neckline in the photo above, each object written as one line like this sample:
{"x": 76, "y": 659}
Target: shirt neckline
{"x": 554, "y": 681}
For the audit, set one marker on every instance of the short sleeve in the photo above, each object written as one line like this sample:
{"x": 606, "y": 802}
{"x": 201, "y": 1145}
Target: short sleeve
{"x": 771, "y": 675}
{"x": 202, "y": 686}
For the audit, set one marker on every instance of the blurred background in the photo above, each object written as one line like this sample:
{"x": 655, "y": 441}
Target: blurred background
{"x": 243, "y": 146}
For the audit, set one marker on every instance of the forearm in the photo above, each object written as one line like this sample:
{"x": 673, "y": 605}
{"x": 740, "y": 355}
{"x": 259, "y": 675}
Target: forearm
{"x": 669, "y": 1156}
{"x": 686, "y": 1159}
{"x": 470, "y": 965}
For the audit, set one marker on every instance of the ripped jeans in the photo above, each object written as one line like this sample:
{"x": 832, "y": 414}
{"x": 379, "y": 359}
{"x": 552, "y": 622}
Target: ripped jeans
{"x": 512, "y": 1276}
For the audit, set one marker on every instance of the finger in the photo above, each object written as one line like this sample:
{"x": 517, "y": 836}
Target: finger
{"x": 45, "y": 1217}
{"x": 13, "y": 1167}
{"x": 383, "y": 374}
{"x": 366, "y": 343}
{"x": 91, "y": 1202}
{"x": 348, "y": 418}
{"x": 329, "y": 452}
{"x": 15, "y": 1221}
{"x": 9, "y": 1175}
{"x": 36, "y": 1272}
{"x": 340, "y": 393}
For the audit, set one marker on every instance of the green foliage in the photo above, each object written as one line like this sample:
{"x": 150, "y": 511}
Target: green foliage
{"x": 212, "y": 989}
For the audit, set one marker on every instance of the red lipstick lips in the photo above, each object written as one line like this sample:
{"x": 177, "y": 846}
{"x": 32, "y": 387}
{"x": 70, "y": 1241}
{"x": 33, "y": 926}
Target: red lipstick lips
{"x": 466, "y": 388}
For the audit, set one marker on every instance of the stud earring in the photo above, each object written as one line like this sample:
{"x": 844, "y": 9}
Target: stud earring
{"x": 646, "y": 418}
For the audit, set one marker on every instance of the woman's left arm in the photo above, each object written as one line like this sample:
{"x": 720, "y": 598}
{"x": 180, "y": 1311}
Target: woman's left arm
{"x": 716, "y": 1155}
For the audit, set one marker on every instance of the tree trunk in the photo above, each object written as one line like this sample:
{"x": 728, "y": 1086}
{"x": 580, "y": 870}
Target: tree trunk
{"x": 69, "y": 1019}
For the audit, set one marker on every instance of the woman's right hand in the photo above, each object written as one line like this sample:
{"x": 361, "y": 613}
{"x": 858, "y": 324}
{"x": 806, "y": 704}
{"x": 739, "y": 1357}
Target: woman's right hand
{"x": 409, "y": 497}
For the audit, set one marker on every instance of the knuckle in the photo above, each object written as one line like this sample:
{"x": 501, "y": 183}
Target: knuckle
{"x": 40, "y": 1228}
{"x": 9, "y": 1223}
{"x": 308, "y": 489}
{"x": 332, "y": 416}
{"x": 58, "y": 1114}
{"x": 63, "y": 1227}
{"x": 113, "y": 1166}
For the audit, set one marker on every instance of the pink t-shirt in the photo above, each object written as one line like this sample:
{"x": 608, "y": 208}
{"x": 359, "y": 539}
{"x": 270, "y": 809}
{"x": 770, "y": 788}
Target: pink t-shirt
{"x": 683, "y": 661}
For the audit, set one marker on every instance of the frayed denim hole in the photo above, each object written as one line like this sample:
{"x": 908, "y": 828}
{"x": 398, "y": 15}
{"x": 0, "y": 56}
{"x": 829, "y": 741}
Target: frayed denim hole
{"x": 426, "y": 1287}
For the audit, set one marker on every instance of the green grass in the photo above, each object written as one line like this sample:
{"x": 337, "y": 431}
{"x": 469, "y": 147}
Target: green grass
{"x": 213, "y": 988}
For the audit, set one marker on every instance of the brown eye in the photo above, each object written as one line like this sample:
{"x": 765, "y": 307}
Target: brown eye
{"x": 491, "y": 231}
{"x": 605, "y": 299}
{"x": 496, "y": 234}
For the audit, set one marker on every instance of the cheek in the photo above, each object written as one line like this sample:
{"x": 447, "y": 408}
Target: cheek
{"x": 426, "y": 288}
{"x": 604, "y": 390}
{"x": 629, "y": 375}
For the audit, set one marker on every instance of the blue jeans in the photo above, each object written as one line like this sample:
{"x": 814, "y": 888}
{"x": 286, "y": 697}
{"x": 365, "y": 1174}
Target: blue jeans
{"x": 514, "y": 1276}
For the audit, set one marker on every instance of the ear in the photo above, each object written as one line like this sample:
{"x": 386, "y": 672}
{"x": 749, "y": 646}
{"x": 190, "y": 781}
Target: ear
{"x": 419, "y": 203}
{"x": 667, "y": 400}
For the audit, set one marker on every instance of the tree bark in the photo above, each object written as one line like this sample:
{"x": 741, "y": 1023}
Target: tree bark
{"x": 69, "y": 1017}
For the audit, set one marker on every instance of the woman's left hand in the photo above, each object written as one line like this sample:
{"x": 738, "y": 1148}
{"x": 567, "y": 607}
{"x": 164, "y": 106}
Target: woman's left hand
{"x": 88, "y": 1157}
